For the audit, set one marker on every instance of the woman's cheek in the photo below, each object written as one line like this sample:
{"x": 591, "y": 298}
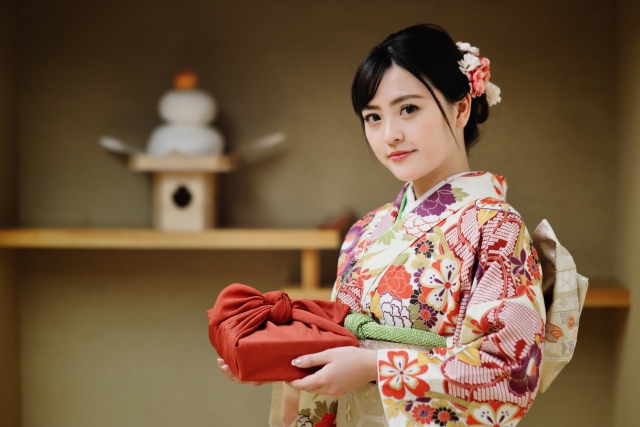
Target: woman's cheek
{"x": 377, "y": 146}
{"x": 382, "y": 157}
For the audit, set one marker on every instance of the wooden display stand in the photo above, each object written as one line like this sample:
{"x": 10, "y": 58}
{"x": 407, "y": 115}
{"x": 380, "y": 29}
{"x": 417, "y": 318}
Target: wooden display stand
{"x": 184, "y": 189}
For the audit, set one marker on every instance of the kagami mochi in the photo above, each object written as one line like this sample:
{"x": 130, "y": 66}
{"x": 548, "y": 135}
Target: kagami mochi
{"x": 188, "y": 112}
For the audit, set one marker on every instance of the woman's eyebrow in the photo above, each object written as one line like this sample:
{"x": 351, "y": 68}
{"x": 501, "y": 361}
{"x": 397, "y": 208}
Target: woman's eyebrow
{"x": 394, "y": 102}
{"x": 404, "y": 98}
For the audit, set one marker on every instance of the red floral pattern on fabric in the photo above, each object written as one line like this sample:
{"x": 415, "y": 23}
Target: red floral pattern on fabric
{"x": 526, "y": 288}
{"x": 491, "y": 201}
{"x": 441, "y": 283}
{"x": 533, "y": 268}
{"x": 400, "y": 376}
{"x": 328, "y": 420}
{"x": 422, "y": 413}
{"x": 396, "y": 281}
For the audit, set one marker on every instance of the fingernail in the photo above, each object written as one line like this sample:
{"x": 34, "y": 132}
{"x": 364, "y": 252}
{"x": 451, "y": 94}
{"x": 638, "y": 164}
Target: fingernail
{"x": 296, "y": 362}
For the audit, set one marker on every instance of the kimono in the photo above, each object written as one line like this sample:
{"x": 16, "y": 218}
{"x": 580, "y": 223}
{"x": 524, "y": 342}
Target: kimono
{"x": 458, "y": 262}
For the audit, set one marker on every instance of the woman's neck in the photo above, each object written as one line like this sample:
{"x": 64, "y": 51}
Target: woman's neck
{"x": 427, "y": 182}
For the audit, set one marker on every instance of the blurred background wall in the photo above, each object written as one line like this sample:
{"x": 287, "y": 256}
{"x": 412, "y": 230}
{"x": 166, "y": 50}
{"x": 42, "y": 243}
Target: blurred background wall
{"x": 9, "y": 306}
{"x": 8, "y": 147}
{"x": 627, "y": 210}
{"x": 119, "y": 338}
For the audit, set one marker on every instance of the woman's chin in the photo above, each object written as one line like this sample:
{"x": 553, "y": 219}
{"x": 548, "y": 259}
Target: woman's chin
{"x": 404, "y": 176}
{"x": 402, "y": 172}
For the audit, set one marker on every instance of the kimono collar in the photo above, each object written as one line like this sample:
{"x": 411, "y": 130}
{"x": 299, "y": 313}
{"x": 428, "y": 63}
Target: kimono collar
{"x": 453, "y": 192}
{"x": 484, "y": 189}
{"x": 443, "y": 199}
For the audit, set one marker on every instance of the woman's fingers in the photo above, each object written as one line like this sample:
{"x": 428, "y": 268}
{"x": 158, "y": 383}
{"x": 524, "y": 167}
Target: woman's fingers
{"x": 227, "y": 372}
{"x": 311, "y": 360}
{"x": 308, "y": 383}
{"x": 345, "y": 369}
{"x": 317, "y": 380}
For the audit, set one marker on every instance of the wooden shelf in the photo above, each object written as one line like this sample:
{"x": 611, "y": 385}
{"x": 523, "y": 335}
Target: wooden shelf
{"x": 323, "y": 293}
{"x": 601, "y": 293}
{"x": 181, "y": 163}
{"x": 607, "y": 298}
{"x": 596, "y": 297}
{"x": 265, "y": 239}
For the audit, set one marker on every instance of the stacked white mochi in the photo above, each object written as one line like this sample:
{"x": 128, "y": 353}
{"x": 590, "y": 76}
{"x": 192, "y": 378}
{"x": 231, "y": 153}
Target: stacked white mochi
{"x": 188, "y": 112}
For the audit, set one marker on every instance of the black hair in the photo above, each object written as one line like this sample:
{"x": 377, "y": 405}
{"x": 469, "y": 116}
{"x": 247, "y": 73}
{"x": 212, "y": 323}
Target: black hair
{"x": 431, "y": 55}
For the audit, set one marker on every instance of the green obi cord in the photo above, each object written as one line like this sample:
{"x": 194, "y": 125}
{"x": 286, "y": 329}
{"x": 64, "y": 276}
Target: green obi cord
{"x": 364, "y": 327}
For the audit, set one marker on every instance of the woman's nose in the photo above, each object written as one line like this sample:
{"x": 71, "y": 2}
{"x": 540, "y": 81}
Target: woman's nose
{"x": 392, "y": 132}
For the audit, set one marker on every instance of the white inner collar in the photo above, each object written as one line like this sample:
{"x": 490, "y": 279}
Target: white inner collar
{"x": 412, "y": 203}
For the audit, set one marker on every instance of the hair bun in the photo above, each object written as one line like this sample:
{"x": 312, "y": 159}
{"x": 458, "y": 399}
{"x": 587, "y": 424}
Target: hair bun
{"x": 479, "y": 113}
{"x": 481, "y": 105}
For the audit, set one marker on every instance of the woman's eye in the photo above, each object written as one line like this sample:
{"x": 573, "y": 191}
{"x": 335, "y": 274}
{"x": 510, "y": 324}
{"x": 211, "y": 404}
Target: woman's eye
{"x": 371, "y": 118}
{"x": 409, "y": 109}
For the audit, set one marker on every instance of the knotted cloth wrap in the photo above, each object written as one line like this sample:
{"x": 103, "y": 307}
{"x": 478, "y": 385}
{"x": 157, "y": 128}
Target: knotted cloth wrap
{"x": 258, "y": 335}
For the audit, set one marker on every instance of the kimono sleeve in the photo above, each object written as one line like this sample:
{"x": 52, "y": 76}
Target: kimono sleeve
{"x": 489, "y": 372}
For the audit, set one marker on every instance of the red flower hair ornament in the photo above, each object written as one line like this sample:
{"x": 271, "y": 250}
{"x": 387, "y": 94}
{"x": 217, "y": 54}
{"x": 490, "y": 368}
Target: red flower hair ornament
{"x": 476, "y": 68}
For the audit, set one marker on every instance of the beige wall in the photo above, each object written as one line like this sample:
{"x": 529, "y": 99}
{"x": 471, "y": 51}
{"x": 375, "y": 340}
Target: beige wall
{"x": 628, "y": 213}
{"x": 93, "y": 68}
{"x": 119, "y": 338}
{"x": 9, "y": 348}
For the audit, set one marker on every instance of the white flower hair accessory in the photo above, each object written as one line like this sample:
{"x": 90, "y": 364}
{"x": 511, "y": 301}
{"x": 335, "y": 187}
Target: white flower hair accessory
{"x": 476, "y": 68}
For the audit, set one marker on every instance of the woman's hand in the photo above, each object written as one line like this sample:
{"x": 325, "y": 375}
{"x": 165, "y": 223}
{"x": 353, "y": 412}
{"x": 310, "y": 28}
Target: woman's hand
{"x": 232, "y": 377}
{"x": 345, "y": 369}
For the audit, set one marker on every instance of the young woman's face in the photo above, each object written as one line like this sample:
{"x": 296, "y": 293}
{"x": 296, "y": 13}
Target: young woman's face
{"x": 408, "y": 134}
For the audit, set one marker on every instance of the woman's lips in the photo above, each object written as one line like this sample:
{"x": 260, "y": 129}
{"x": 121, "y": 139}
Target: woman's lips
{"x": 398, "y": 156}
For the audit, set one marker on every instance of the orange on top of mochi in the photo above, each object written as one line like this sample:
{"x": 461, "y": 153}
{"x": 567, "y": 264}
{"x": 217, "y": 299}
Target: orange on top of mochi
{"x": 185, "y": 80}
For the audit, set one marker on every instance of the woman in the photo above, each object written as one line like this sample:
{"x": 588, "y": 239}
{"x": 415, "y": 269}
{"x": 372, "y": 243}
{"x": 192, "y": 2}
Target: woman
{"x": 448, "y": 256}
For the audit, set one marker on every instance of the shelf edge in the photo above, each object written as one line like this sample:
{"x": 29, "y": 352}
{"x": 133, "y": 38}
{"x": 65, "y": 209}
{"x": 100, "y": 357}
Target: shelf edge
{"x": 596, "y": 298}
{"x": 252, "y": 239}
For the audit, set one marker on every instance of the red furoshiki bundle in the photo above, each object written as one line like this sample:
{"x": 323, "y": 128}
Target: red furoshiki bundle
{"x": 258, "y": 335}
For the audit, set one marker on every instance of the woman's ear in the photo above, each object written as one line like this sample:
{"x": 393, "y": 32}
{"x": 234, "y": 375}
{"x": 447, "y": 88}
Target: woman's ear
{"x": 462, "y": 110}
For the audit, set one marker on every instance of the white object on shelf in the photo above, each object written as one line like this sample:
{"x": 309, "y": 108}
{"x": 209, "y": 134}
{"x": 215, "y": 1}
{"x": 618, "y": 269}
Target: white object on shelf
{"x": 188, "y": 107}
{"x": 185, "y": 154}
{"x": 184, "y": 201}
{"x": 116, "y": 146}
{"x": 187, "y": 112}
{"x": 184, "y": 188}
{"x": 188, "y": 140}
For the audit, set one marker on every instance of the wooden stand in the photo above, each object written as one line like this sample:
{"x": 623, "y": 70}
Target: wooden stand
{"x": 184, "y": 189}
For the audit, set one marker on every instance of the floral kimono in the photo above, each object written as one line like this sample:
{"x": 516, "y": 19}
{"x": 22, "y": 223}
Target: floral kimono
{"x": 459, "y": 262}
